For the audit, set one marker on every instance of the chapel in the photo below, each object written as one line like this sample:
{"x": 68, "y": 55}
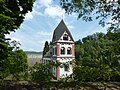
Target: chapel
{"x": 61, "y": 52}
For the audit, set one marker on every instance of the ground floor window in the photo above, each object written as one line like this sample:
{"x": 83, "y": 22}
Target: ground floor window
{"x": 66, "y": 67}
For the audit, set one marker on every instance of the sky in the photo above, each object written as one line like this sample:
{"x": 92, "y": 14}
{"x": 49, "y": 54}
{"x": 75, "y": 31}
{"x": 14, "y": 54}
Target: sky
{"x": 39, "y": 25}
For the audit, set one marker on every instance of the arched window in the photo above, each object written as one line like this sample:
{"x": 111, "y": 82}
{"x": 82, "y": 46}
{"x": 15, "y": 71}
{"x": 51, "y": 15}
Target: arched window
{"x": 69, "y": 50}
{"x": 62, "y": 50}
{"x": 65, "y": 37}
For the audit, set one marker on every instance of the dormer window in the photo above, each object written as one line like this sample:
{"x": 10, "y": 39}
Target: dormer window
{"x": 65, "y": 37}
{"x": 62, "y": 50}
{"x": 69, "y": 50}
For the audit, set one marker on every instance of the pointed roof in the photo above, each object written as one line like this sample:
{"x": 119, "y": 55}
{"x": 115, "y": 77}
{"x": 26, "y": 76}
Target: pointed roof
{"x": 60, "y": 29}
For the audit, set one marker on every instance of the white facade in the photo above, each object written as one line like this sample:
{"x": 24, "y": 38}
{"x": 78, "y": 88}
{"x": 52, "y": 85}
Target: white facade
{"x": 65, "y": 59}
{"x": 63, "y": 72}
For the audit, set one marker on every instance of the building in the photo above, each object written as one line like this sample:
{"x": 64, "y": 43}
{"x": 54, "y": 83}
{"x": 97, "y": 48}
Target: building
{"x": 61, "y": 52}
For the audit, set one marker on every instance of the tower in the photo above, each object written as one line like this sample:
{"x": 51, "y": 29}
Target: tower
{"x": 61, "y": 52}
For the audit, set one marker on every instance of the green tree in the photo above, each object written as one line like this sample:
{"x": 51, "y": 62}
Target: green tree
{"x": 46, "y": 48}
{"x": 101, "y": 9}
{"x": 41, "y": 73}
{"x": 96, "y": 49}
{"x": 18, "y": 65}
{"x": 91, "y": 74}
{"x": 99, "y": 53}
{"x": 12, "y": 14}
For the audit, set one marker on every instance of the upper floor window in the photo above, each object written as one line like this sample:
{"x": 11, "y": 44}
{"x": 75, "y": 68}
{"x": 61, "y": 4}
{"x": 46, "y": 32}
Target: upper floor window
{"x": 69, "y": 50}
{"x": 62, "y": 50}
{"x": 65, "y": 37}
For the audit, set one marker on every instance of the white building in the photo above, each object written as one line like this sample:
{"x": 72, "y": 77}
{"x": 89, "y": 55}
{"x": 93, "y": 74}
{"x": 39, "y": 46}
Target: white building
{"x": 61, "y": 52}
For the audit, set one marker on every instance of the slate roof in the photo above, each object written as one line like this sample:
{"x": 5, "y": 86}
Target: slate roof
{"x": 60, "y": 29}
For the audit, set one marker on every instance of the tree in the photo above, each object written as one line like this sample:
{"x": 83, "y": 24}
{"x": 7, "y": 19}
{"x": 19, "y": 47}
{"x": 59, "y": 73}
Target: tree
{"x": 101, "y": 9}
{"x": 18, "y": 65}
{"x": 12, "y": 13}
{"x": 100, "y": 52}
{"x": 78, "y": 42}
{"x": 46, "y": 48}
{"x": 41, "y": 73}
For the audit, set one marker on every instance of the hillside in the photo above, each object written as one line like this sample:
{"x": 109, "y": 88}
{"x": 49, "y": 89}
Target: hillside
{"x": 32, "y": 52}
{"x": 33, "y": 57}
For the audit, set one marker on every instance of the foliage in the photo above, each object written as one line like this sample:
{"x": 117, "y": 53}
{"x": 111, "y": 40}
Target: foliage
{"x": 12, "y": 14}
{"x": 96, "y": 50}
{"x": 18, "y": 65}
{"x": 115, "y": 36}
{"x": 46, "y": 48}
{"x": 92, "y": 74}
{"x": 97, "y": 58}
{"x": 101, "y": 9}
{"x": 41, "y": 73}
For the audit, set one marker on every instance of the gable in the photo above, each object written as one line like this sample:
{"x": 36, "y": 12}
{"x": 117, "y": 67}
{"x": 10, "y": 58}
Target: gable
{"x": 65, "y": 37}
{"x": 60, "y": 29}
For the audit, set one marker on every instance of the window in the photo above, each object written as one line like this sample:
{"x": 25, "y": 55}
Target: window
{"x": 68, "y": 50}
{"x": 62, "y": 50}
{"x": 66, "y": 67}
{"x": 65, "y": 37}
